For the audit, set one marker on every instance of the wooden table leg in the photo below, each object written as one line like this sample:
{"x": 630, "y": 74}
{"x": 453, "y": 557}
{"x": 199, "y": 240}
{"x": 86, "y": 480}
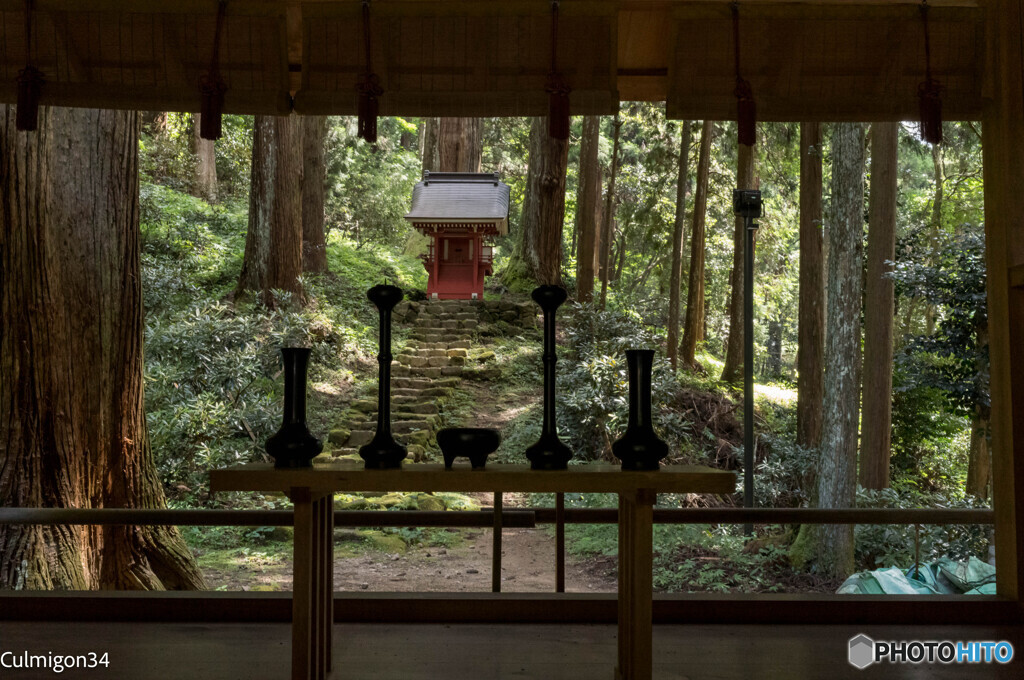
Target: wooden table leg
{"x": 328, "y": 582}
{"x": 636, "y": 518}
{"x": 303, "y": 586}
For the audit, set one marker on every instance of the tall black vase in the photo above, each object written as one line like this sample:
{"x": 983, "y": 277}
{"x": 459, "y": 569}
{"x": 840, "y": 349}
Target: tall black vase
{"x": 294, "y": 446}
{"x": 549, "y": 453}
{"x": 640, "y": 448}
{"x": 383, "y": 451}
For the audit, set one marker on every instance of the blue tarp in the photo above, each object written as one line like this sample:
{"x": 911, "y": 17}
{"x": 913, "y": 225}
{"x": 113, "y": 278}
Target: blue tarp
{"x": 942, "y": 577}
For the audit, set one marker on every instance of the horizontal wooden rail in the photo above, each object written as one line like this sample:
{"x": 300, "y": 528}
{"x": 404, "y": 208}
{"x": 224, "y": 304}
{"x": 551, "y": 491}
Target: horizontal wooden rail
{"x": 485, "y": 518}
{"x": 260, "y": 518}
{"x": 779, "y": 516}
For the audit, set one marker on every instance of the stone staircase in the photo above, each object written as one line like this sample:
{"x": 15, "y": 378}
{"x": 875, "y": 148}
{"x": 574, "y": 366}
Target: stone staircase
{"x": 425, "y": 373}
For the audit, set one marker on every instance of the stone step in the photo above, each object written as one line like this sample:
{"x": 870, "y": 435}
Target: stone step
{"x": 411, "y": 384}
{"x": 412, "y": 395}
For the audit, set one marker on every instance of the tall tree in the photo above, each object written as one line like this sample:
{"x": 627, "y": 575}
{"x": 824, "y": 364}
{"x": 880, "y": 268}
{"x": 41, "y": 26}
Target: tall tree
{"x": 693, "y": 328}
{"x": 429, "y": 140}
{"x": 72, "y": 418}
{"x": 205, "y": 181}
{"x": 745, "y": 179}
{"x": 879, "y": 304}
{"x": 460, "y": 145}
{"x": 273, "y": 242}
{"x": 935, "y": 224}
{"x": 676, "y": 275}
{"x": 537, "y": 256}
{"x": 588, "y": 201}
{"x": 314, "y": 176}
{"x": 608, "y": 219}
{"x": 837, "y": 462}
{"x": 811, "y": 323}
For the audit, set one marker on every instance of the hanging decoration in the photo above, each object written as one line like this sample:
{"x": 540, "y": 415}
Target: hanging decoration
{"x": 369, "y": 86}
{"x": 929, "y": 92}
{"x": 746, "y": 109}
{"x": 212, "y": 86}
{"x": 556, "y": 87}
{"x": 30, "y": 82}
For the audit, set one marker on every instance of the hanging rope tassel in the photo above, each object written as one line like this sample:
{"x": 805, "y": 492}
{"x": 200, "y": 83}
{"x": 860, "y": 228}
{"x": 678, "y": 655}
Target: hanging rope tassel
{"x": 556, "y": 87}
{"x": 369, "y": 87}
{"x": 746, "y": 109}
{"x": 212, "y": 86}
{"x": 929, "y": 92}
{"x": 30, "y": 83}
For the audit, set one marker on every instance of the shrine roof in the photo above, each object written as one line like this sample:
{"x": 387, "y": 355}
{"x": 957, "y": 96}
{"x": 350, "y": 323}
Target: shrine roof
{"x": 461, "y": 197}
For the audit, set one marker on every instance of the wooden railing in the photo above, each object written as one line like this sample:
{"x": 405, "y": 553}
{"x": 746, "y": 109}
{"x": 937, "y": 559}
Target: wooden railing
{"x": 559, "y": 516}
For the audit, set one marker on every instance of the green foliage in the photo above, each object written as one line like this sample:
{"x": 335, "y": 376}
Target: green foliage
{"x": 593, "y": 400}
{"x": 369, "y": 186}
{"x": 900, "y": 545}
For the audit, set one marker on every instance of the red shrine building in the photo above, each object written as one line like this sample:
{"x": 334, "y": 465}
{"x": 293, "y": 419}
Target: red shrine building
{"x": 461, "y": 212}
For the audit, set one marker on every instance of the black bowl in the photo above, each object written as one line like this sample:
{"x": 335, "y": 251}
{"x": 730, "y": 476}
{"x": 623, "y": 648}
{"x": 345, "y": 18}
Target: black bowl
{"x": 475, "y": 443}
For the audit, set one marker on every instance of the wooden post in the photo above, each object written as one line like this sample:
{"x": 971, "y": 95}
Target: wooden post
{"x": 302, "y": 585}
{"x": 1003, "y": 125}
{"x": 496, "y": 547}
{"x": 636, "y": 520}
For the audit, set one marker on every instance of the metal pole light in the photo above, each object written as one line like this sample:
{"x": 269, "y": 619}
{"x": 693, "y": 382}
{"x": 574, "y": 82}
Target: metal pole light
{"x": 747, "y": 205}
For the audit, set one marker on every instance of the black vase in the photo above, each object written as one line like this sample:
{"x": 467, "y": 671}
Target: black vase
{"x": 294, "y": 446}
{"x": 383, "y": 451}
{"x": 549, "y": 453}
{"x": 640, "y": 448}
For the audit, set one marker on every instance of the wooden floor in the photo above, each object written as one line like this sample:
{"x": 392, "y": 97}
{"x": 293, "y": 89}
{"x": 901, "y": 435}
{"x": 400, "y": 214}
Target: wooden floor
{"x": 487, "y": 652}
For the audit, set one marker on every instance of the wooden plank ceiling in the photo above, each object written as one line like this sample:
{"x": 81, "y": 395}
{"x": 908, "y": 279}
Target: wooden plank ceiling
{"x": 805, "y": 59}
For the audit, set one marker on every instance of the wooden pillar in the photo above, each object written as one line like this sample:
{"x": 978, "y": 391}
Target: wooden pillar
{"x": 1003, "y": 128}
{"x": 437, "y": 258}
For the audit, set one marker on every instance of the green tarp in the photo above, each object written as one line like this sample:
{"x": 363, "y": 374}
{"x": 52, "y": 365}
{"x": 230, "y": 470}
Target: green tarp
{"x": 942, "y": 577}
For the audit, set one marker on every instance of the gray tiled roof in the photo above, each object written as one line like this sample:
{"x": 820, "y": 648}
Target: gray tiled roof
{"x": 461, "y": 197}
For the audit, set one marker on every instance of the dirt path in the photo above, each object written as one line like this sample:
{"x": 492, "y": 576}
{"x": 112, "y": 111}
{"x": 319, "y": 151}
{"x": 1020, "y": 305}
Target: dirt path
{"x": 528, "y": 565}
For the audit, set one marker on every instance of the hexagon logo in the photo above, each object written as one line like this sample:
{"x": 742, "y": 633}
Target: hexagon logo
{"x": 862, "y": 651}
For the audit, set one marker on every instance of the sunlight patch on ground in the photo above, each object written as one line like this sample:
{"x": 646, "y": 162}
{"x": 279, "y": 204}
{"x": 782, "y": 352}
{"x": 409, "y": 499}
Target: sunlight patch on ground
{"x": 776, "y": 394}
{"x": 327, "y": 388}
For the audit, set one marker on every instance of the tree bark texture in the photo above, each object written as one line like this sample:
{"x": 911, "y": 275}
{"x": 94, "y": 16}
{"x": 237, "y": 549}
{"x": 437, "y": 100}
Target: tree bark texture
{"x": 693, "y": 327}
{"x": 431, "y": 130}
{"x": 460, "y": 144}
{"x": 314, "y": 176}
{"x": 608, "y": 218}
{"x": 588, "y": 201}
{"x": 979, "y": 462}
{"x": 206, "y": 163}
{"x": 732, "y": 371}
{"x": 935, "y": 226}
{"x": 676, "y": 275}
{"x": 879, "y": 309}
{"x": 273, "y": 243}
{"x": 837, "y": 467}
{"x": 811, "y": 322}
{"x": 72, "y": 418}
{"x": 537, "y": 256}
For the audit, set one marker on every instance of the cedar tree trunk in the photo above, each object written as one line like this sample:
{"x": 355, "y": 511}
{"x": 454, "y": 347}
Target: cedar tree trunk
{"x": 811, "y": 323}
{"x": 837, "y": 466}
{"x": 72, "y": 418}
{"x": 678, "y": 229}
{"x": 537, "y": 257}
{"x": 206, "y": 163}
{"x": 879, "y": 304}
{"x": 273, "y": 243}
{"x": 460, "y": 144}
{"x": 588, "y": 201}
{"x": 693, "y": 327}
{"x": 314, "y": 175}
{"x": 733, "y": 369}
{"x": 608, "y": 219}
